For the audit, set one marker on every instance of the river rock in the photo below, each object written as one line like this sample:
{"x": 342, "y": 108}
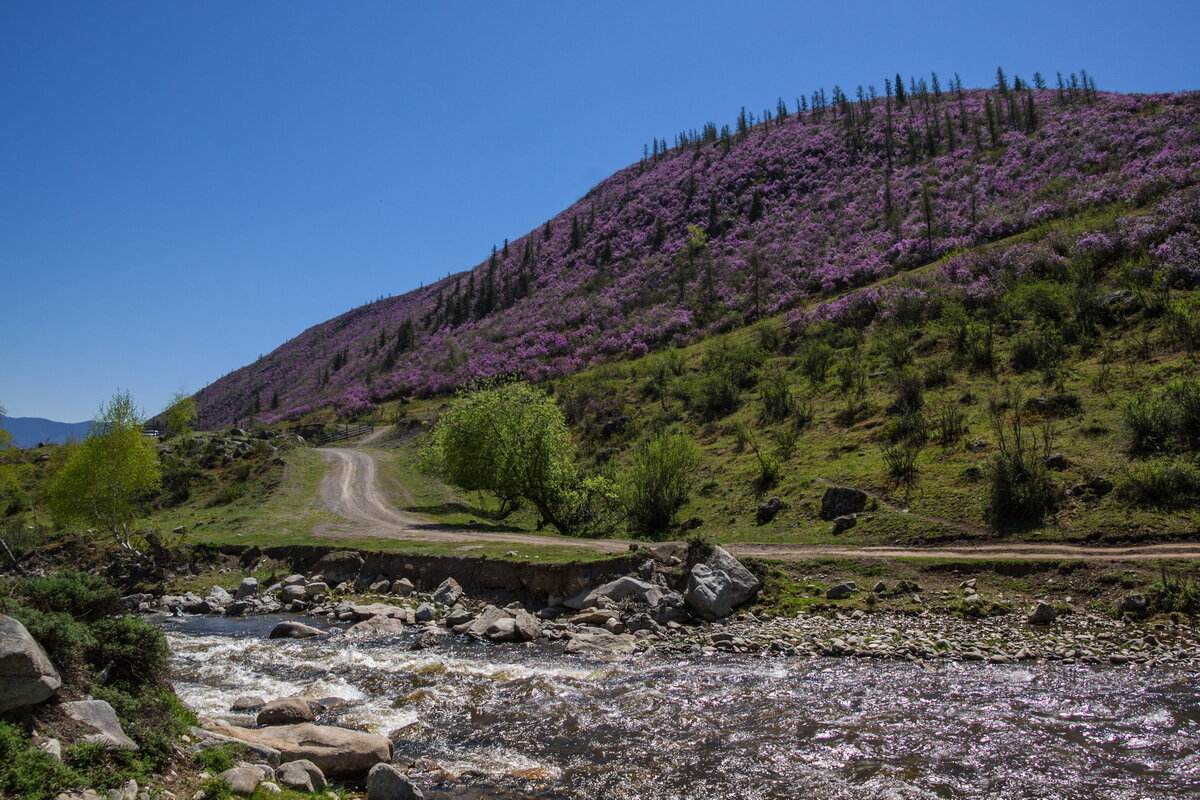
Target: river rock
{"x": 709, "y": 593}
{"x": 286, "y": 711}
{"x": 425, "y": 612}
{"x": 26, "y": 674}
{"x": 448, "y": 592}
{"x": 385, "y": 782}
{"x": 290, "y": 629}
{"x": 219, "y": 597}
{"x": 295, "y": 580}
{"x": 841, "y": 500}
{"x": 527, "y": 626}
{"x": 745, "y": 585}
{"x": 403, "y": 587}
{"x": 378, "y": 626}
{"x": 315, "y": 588}
{"x": 301, "y": 775}
{"x": 1135, "y": 604}
{"x": 248, "y": 702}
{"x": 242, "y": 780}
{"x": 597, "y": 641}
{"x": 458, "y": 615}
{"x": 247, "y": 588}
{"x": 337, "y": 752}
{"x": 594, "y": 616}
{"x": 339, "y": 566}
{"x": 100, "y": 717}
{"x": 1042, "y": 614}
{"x": 842, "y": 590}
{"x": 479, "y": 625}
{"x": 626, "y": 588}
{"x": 426, "y": 640}
{"x": 290, "y": 593}
{"x": 363, "y": 611}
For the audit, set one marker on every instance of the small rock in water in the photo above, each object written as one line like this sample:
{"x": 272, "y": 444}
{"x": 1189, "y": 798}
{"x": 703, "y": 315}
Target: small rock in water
{"x": 385, "y": 782}
{"x": 290, "y": 629}
{"x": 286, "y": 711}
{"x": 248, "y": 702}
{"x": 426, "y": 640}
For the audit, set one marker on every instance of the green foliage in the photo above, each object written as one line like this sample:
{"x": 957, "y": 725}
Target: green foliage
{"x": 1160, "y": 481}
{"x": 114, "y": 468}
{"x": 179, "y": 415}
{"x": 776, "y": 395}
{"x": 816, "y": 362}
{"x": 909, "y": 390}
{"x": 592, "y": 508}
{"x": 1021, "y": 489}
{"x": 135, "y": 649}
{"x": 1173, "y": 594}
{"x": 657, "y": 484}
{"x": 948, "y": 424}
{"x": 901, "y": 462}
{"x": 219, "y": 757}
{"x": 66, "y": 640}
{"x": 28, "y": 773}
{"x": 1169, "y": 422}
{"x": 509, "y": 440}
{"x": 80, "y": 594}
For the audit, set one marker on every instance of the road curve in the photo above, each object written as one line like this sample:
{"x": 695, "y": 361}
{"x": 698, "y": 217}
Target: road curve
{"x": 350, "y": 488}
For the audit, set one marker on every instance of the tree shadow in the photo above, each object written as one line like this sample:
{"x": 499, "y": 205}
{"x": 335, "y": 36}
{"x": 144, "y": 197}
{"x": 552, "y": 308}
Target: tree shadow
{"x": 483, "y": 521}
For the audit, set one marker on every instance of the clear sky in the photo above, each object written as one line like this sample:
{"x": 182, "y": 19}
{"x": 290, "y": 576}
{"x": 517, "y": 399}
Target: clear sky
{"x": 185, "y": 186}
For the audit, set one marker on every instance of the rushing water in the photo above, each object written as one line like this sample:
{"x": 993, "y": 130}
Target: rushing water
{"x": 540, "y": 723}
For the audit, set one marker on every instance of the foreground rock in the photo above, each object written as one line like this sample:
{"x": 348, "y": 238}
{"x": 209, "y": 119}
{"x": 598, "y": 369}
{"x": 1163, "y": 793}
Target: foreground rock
{"x": 26, "y": 674}
{"x": 385, "y": 782}
{"x": 840, "y": 501}
{"x": 287, "y": 711}
{"x": 301, "y": 775}
{"x": 337, "y": 752}
{"x": 101, "y": 718}
{"x": 718, "y": 585}
{"x": 598, "y": 641}
{"x": 617, "y": 591}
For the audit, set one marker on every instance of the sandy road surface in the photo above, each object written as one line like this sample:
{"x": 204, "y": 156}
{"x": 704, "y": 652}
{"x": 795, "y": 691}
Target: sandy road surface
{"x": 351, "y": 490}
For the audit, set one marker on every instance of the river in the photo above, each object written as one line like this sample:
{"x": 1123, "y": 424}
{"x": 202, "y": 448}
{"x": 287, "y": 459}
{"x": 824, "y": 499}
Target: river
{"x": 534, "y": 722}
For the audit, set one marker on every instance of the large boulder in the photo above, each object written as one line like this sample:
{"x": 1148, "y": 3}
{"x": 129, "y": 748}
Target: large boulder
{"x": 102, "y": 719}
{"x": 626, "y": 588}
{"x": 839, "y": 501}
{"x": 1042, "y": 614}
{"x": 385, "y": 782}
{"x": 242, "y": 779}
{"x": 378, "y": 626}
{"x": 217, "y": 596}
{"x": 337, "y": 752}
{"x": 247, "y": 588}
{"x": 301, "y": 775}
{"x": 718, "y": 585}
{"x": 342, "y": 565}
{"x": 286, "y": 711}
{"x": 448, "y": 592}
{"x": 26, "y": 674}
{"x": 290, "y": 629}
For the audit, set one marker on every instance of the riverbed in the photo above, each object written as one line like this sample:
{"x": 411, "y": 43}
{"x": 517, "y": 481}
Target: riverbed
{"x": 530, "y": 721}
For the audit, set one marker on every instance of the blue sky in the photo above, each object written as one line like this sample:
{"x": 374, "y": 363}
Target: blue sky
{"x": 185, "y": 186}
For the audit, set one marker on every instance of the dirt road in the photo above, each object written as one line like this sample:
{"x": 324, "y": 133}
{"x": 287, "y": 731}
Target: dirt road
{"x": 351, "y": 490}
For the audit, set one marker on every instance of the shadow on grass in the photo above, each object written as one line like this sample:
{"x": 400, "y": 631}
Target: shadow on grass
{"x": 483, "y": 521}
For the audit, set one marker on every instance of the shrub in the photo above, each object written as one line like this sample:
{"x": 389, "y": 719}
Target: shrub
{"x": 776, "y": 395}
{"x": 1160, "y": 480}
{"x": 1021, "y": 489}
{"x": 1172, "y": 594}
{"x": 27, "y": 772}
{"x": 136, "y": 650}
{"x": 1168, "y": 422}
{"x": 592, "y": 509}
{"x": 911, "y": 427}
{"x": 66, "y": 640}
{"x": 901, "y": 462}
{"x": 80, "y": 594}
{"x": 852, "y": 374}
{"x": 656, "y": 485}
{"x": 949, "y": 423}
{"x": 711, "y": 394}
{"x": 909, "y": 390}
{"x": 815, "y": 363}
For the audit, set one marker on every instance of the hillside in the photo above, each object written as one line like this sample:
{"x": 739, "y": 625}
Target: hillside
{"x": 774, "y": 216}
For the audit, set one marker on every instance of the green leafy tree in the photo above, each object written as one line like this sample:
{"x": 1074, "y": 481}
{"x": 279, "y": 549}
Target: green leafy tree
{"x": 5, "y": 436}
{"x": 511, "y": 441}
{"x": 112, "y": 469}
{"x": 657, "y": 483}
{"x": 179, "y": 416}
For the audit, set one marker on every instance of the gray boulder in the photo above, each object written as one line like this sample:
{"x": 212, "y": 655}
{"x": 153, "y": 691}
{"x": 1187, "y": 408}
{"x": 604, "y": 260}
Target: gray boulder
{"x": 290, "y": 629}
{"x": 219, "y": 597}
{"x": 425, "y": 612}
{"x": 247, "y": 588}
{"x": 301, "y": 775}
{"x": 378, "y": 626}
{"x": 448, "y": 592}
{"x": 841, "y": 500}
{"x": 315, "y": 588}
{"x": 621, "y": 589}
{"x": 768, "y": 511}
{"x": 101, "y": 718}
{"x": 709, "y": 593}
{"x": 403, "y": 587}
{"x": 1135, "y": 604}
{"x": 457, "y": 616}
{"x": 242, "y": 780}
{"x": 385, "y": 782}
{"x": 295, "y": 580}
{"x": 247, "y": 702}
{"x": 842, "y": 590}
{"x": 291, "y": 592}
{"x": 286, "y": 711}
{"x": 26, "y": 674}
{"x": 1042, "y": 614}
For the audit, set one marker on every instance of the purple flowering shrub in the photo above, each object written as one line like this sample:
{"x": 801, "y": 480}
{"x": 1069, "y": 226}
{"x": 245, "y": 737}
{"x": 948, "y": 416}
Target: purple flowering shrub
{"x": 798, "y": 215}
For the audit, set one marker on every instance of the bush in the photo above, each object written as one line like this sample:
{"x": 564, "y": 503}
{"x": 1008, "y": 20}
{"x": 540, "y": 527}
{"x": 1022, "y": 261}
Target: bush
{"x": 1160, "y": 480}
{"x": 1167, "y": 423}
{"x": 776, "y": 395}
{"x": 949, "y": 423}
{"x": 656, "y": 485}
{"x": 66, "y": 640}
{"x": 815, "y": 363}
{"x": 711, "y": 394}
{"x": 80, "y": 594}
{"x": 909, "y": 390}
{"x": 27, "y": 772}
{"x": 592, "y": 509}
{"x": 137, "y": 651}
{"x": 901, "y": 462}
{"x": 1171, "y": 594}
{"x": 1021, "y": 489}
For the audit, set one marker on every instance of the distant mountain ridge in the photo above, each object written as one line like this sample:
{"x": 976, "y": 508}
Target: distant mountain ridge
{"x": 30, "y": 431}
{"x": 777, "y": 214}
